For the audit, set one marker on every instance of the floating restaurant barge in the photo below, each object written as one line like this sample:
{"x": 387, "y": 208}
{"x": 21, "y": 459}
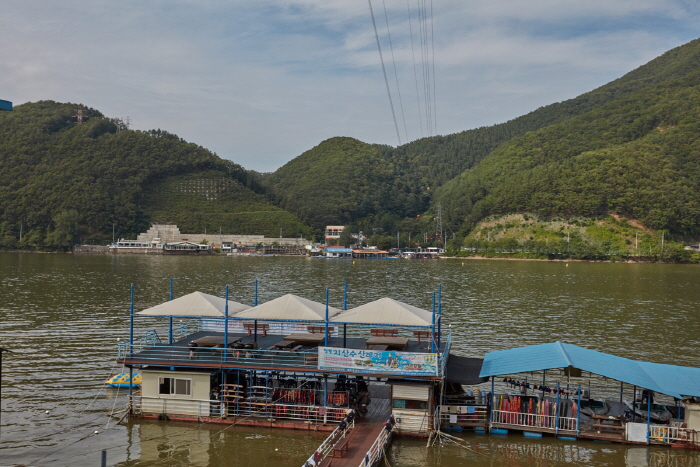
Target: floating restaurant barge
{"x": 385, "y": 367}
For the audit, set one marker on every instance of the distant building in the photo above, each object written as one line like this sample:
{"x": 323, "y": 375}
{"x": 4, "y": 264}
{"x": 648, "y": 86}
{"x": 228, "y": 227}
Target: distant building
{"x": 5, "y": 105}
{"x": 334, "y": 231}
{"x": 169, "y": 233}
{"x": 338, "y": 253}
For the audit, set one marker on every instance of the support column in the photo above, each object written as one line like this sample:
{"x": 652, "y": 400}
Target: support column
{"x": 170, "y": 319}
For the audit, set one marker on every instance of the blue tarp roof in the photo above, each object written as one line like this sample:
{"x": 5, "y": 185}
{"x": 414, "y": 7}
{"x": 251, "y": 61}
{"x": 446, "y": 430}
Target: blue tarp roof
{"x": 675, "y": 381}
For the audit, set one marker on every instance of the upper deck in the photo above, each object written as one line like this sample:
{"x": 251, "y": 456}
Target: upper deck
{"x": 392, "y": 355}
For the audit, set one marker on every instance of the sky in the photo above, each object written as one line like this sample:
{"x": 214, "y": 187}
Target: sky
{"x": 261, "y": 81}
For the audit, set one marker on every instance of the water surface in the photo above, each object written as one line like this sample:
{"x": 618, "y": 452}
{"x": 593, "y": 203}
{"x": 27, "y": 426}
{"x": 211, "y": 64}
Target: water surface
{"x": 62, "y": 315}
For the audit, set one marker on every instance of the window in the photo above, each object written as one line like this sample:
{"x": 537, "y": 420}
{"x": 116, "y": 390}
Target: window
{"x": 410, "y": 404}
{"x": 174, "y": 386}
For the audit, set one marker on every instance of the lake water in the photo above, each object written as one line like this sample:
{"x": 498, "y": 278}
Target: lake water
{"x": 63, "y": 314}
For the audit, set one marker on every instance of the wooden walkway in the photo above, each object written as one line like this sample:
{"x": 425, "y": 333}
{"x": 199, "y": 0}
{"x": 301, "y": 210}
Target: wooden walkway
{"x": 367, "y": 428}
{"x": 360, "y": 439}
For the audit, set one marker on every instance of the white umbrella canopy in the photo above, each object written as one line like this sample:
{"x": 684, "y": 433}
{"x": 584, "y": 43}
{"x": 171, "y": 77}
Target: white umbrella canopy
{"x": 196, "y": 304}
{"x": 288, "y": 307}
{"x": 386, "y": 311}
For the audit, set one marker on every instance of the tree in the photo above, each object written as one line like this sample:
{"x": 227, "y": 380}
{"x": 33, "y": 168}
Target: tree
{"x": 345, "y": 238}
{"x": 66, "y": 232}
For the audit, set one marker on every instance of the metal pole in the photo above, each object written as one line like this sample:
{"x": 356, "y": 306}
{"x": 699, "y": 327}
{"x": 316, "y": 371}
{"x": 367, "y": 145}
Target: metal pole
{"x": 621, "y": 389}
{"x": 325, "y": 398}
{"x": 131, "y": 386}
{"x": 226, "y": 326}
{"x": 345, "y": 295}
{"x": 432, "y": 340}
{"x": 578, "y": 412}
{"x": 255, "y": 303}
{"x": 648, "y": 414}
{"x": 439, "y": 338}
{"x": 492, "y": 404}
{"x": 170, "y": 319}
{"x": 255, "y": 331}
{"x": 326, "y": 341}
{"x": 556, "y": 412}
{"x": 104, "y": 459}
{"x": 345, "y": 335}
{"x": 131, "y": 323}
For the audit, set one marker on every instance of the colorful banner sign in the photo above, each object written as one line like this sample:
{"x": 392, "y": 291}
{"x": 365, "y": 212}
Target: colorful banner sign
{"x": 377, "y": 362}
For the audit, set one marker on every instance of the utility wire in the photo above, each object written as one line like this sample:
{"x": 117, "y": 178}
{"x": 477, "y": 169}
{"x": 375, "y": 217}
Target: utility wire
{"x": 396, "y": 75}
{"x": 386, "y": 80}
{"x": 432, "y": 42}
{"x": 424, "y": 61}
{"x": 415, "y": 70}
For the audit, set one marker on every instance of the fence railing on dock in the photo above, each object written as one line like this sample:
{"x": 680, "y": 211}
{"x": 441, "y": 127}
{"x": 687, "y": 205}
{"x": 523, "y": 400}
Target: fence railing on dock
{"x": 377, "y": 450}
{"x": 246, "y": 409}
{"x": 672, "y": 434}
{"x": 325, "y": 449}
{"x": 530, "y": 420}
{"x": 464, "y": 415}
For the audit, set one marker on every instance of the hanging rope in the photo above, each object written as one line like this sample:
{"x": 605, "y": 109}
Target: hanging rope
{"x": 386, "y": 80}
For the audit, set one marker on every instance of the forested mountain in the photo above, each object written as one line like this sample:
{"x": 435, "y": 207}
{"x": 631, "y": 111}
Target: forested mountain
{"x": 628, "y": 148}
{"x": 619, "y": 115}
{"x": 635, "y": 156}
{"x": 61, "y": 182}
{"x": 340, "y": 181}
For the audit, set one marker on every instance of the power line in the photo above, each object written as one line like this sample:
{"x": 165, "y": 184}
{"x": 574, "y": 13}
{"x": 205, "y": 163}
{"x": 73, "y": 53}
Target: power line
{"x": 424, "y": 63}
{"x": 396, "y": 75}
{"x": 386, "y": 80}
{"x": 415, "y": 70}
{"x": 432, "y": 42}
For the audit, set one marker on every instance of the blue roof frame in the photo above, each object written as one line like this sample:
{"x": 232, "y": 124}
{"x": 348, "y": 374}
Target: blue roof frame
{"x": 672, "y": 380}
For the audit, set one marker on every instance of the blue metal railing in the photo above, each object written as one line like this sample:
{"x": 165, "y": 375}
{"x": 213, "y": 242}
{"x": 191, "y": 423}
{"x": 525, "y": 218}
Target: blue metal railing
{"x": 217, "y": 356}
{"x": 149, "y": 339}
{"x": 187, "y": 328}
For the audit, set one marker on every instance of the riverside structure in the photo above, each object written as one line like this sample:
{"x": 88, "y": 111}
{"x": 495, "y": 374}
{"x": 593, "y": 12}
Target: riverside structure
{"x": 385, "y": 367}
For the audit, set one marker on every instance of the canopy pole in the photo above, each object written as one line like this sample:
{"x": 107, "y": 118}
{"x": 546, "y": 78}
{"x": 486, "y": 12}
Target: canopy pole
{"x": 432, "y": 341}
{"x": 345, "y": 335}
{"x": 255, "y": 303}
{"x": 621, "y": 389}
{"x": 255, "y": 331}
{"x": 326, "y": 341}
{"x": 578, "y": 412}
{"x": 170, "y": 319}
{"x": 544, "y": 377}
{"x": 649, "y": 399}
{"x": 439, "y": 332}
{"x": 493, "y": 402}
{"x": 131, "y": 323}
{"x": 226, "y": 325}
{"x": 345, "y": 295}
{"x": 556, "y": 411}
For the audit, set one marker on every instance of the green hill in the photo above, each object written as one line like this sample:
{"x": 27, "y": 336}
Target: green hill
{"x": 61, "y": 183}
{"x": 635, "y": 156}
{"x": 408, "y": 176}
{"x": 209, "y": 201}
{"x": 339, "y": 181}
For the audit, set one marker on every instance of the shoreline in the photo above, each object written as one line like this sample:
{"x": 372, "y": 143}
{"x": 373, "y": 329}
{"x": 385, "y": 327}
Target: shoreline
{"x": 570, "y": 260}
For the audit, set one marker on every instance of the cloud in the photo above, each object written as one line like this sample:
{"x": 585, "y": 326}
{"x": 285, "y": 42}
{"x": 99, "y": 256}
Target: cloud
{"x": 260, "y": 82}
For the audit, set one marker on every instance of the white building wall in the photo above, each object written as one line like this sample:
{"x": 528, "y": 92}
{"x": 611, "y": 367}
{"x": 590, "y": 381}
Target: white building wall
{"x": 196, "y": 404}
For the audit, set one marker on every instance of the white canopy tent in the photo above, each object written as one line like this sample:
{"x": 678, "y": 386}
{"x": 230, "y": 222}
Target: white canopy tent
{"x": 196, "y": 304}
{"x": 288, "y": 308}
{"x": 386, "y": 311}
